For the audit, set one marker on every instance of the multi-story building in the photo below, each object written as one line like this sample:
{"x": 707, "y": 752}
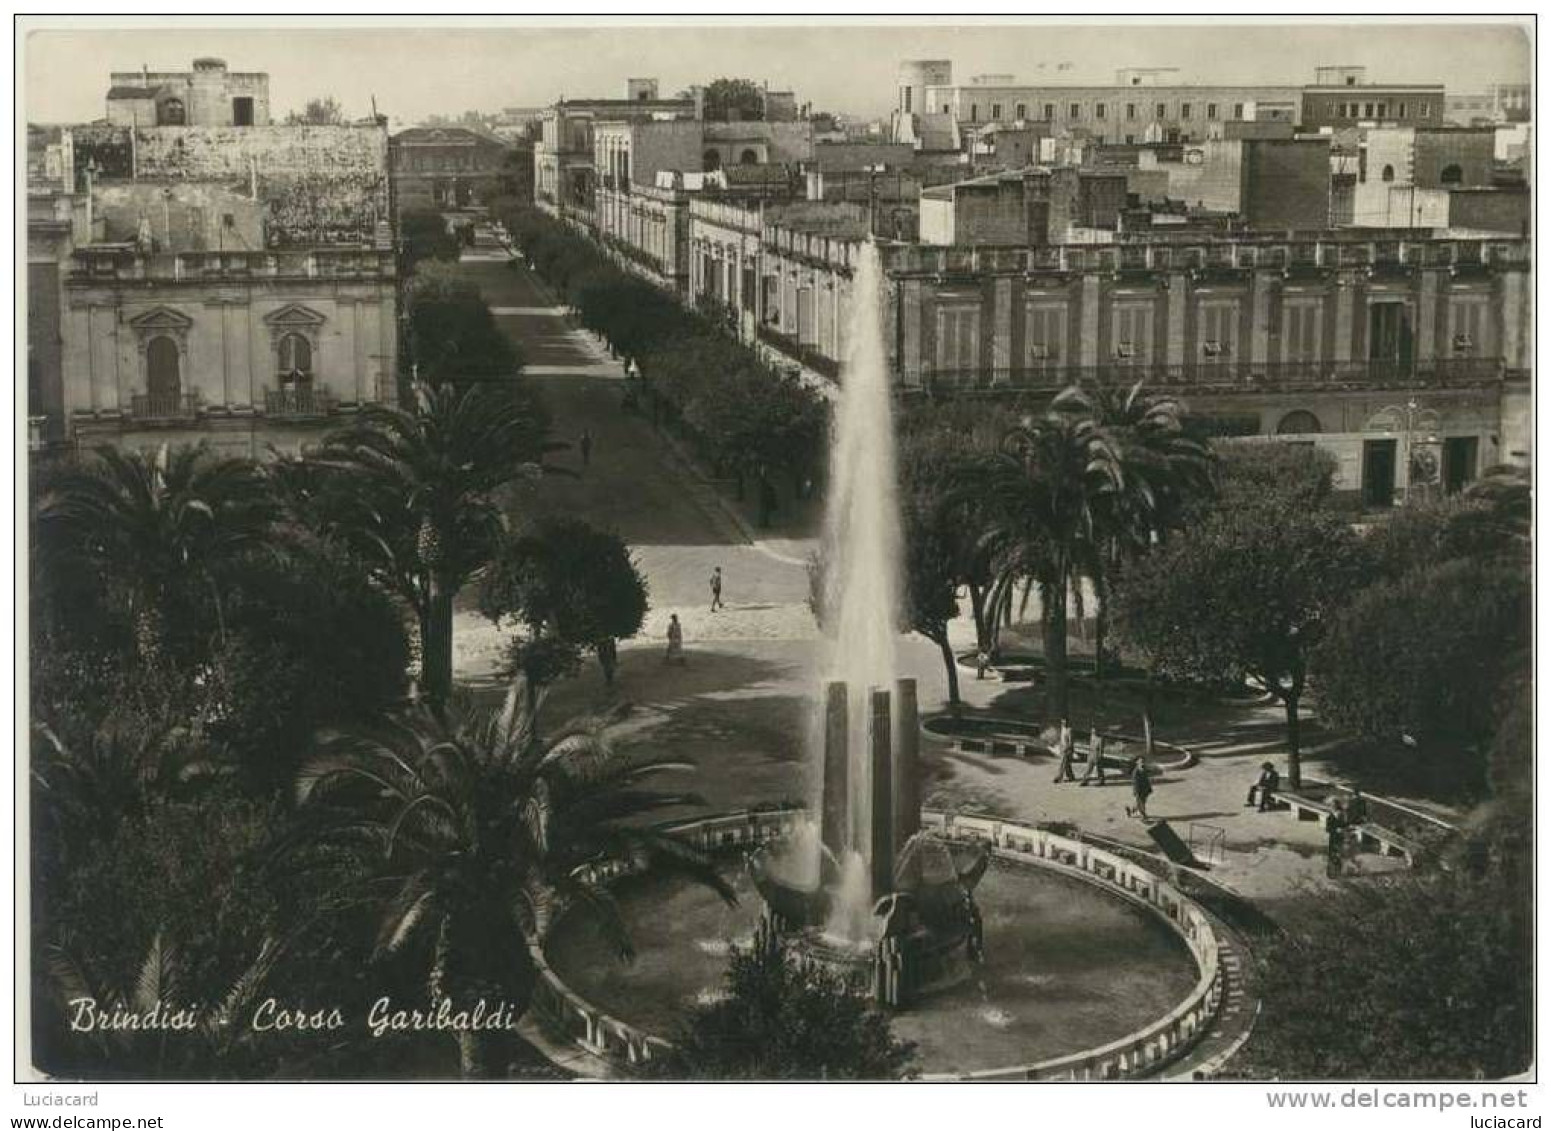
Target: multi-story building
{"x": 233, "y": 284}
{"x": 1499, "y": 103}
{"x": 564, "y": 174}
{"x": 1342, "y": 96}
{"x": 208, "y": 95}
{"x": 1397, "y": 355}
{"x": 1134, "y": 110}
{"x": 448, "y": 167}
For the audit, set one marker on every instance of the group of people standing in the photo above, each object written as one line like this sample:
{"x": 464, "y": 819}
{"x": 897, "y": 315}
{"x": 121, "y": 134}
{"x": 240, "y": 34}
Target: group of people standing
{"x": 1139, "y": 774}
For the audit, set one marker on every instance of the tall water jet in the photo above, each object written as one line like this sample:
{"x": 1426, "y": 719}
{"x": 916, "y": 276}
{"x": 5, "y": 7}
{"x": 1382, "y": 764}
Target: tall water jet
{"x": 862, "y": 550}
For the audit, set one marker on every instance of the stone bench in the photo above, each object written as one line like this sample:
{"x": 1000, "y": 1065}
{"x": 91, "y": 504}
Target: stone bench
{"x": 1368, "y": 835}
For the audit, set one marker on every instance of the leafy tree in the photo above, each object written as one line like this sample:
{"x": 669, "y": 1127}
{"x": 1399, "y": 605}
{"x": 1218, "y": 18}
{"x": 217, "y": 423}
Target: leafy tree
{"x": 325, "y": 111}
{"x": 411, "y": 490}
{"x": 569, "y": 583}
{"x": 781, "y": 1021}
{"x": 1420, "y": 976}
{"x": 734, "y": 100}
{"x": 423, "y": 235}
{"x": 1295, "y": 477}
{"x": 453, "y": 335}
{"x": 479, "y": 828}
{"x": 1451, "y": 636}
{"x": 1249, "y": 592}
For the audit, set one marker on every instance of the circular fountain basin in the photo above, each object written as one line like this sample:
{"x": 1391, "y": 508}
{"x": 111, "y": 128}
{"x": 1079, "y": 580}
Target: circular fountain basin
{"x": 1068, "y": 967}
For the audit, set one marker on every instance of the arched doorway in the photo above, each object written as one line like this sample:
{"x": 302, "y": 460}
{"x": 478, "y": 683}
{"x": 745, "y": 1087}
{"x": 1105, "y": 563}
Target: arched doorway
{"x": 163, "y": 381}
{"x": 711, "y": 160}
{"x": 748, "y": 157}
{"x": 1389, "y": 174}
{"x": 1451, "y": 175}
{"x": 1299, "y": 423}
{"x": 171, "y": 113}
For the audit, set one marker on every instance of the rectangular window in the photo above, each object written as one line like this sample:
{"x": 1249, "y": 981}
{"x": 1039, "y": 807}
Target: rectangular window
{"x": 1427, "y": 110}
{"x": 1021, "y": 111}
{"x": 1045, "y": 332}
{"x": 974, "y": 112}
{"x": 1238, "y": 111}
{"x": 958, "y": 340}
{"x": 1466, "y": 322}
{"x": 1074, "y": 111}
{"x": 1211, "y": 111}
{"x": 1163, "y": 110}
{"x": 907, "y": 99}
{"x": 1050, "y": 111}
{"x": 1368, "y": 110}
{"x": 1184, "y": 111}
{"x": 1383, "y": 109}
{"x": 996, "y": 111}
{"x": 1218, "y": 323}
{"x": 1098, "y": 111}
{"x": 1300, "y": 332}
{"x": 1400, "y": 110}
{"x": 1130, "y": 111}
{"x": 1132, "y": 336}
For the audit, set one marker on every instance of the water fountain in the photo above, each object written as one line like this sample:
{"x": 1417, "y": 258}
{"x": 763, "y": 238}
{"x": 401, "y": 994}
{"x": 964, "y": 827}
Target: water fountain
{"x": 871, "y": 893}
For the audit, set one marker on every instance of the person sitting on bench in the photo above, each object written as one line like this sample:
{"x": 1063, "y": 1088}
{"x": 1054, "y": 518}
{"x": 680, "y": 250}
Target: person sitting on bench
{"x": 1356, "y": 808}
{"x": 1266, "y": 785}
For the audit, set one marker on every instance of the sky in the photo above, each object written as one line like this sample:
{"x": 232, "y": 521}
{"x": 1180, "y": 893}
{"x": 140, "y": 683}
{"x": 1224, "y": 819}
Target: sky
{"x": 416, "y": 71}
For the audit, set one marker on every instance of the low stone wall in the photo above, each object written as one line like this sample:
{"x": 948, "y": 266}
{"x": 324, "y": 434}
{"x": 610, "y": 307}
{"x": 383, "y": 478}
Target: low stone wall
{"x": 570, "y": 1017}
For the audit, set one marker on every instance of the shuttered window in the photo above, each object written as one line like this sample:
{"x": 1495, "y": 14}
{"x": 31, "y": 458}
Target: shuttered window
{"x": 958, "y": 338}
{"x": 1132, "y": 335}
{"x": 1467, "y": 326}
{"x": 1300, "y": 333}
{"x": 1044, "y": 336}
{"x": 1218, "y": 322}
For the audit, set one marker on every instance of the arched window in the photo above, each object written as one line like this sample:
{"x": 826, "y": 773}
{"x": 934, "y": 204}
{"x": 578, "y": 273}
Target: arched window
{"x": 1388, "y": 174}
{"x": 1299, "y": 423}
{"x": 170, "y": 113}
{"x": 748, "y": 157}
{"x": 295, "y": 358}
{"x": 1451, "y": 175}
{"x": 712, "y": 160}
{"x": 162, "y": 379}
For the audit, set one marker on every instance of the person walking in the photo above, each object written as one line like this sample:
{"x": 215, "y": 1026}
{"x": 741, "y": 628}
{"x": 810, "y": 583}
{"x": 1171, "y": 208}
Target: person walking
{"x": 716, "y": 590}
{"x": 1065, "y": 749}
{"x": 1095, "y": 758}
{"x": 586, "y": 445}
{"x": 675, "y": 641}
{"x": 1141, "y": 789}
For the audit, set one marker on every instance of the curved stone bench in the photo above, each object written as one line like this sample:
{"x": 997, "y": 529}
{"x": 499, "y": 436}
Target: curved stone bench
{"x": 1369, "y": 834}
{"x": 1021, "y": 741}
{"x": 1142, "y": 1053}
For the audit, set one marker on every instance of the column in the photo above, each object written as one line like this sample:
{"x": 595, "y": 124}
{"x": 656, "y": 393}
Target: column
{"x": 907, "y": 770}
{"x": 1174, "y": 333}
{"x": 358, "y": 344}
{"x": 1426, "y": 344}
{"x": 880, "y": 815}
{"x": 1260, "y": 319}
{"x": 1345, "y": 298}
{"x": 1001, "y": 327}
{"x": 1088, "y": 323}
{"x": 833, "y": 804}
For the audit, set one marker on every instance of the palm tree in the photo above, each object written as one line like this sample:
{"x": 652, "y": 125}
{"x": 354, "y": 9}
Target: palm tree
{"x": 1040, "y": 497}
{"x": 481, "y": 830}
{"x": 413, "y": 491}
{"x": 1163, "y": 468}
{"x": 156, "y": 527}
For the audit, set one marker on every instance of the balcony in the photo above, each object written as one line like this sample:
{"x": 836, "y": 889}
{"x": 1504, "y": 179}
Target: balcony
{"x": 799, "y": 351}
{"x": 299, "y": 402}
{"x": 160, "y": 408}
{"x": 1224, "y": 377}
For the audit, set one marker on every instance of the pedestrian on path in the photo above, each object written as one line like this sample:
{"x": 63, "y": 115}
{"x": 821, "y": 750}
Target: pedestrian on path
{"x": 675, "y": 641}
{"x": 1066, "y": 748}
{"x": 716, "y": 590}
{"x": 1141, "y": 789}
{"x": 1095, "y": 758}
{"x": 585, "y": 443}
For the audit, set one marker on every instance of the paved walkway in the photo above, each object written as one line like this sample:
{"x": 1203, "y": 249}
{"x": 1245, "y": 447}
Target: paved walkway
{"x": 741, "y": 706}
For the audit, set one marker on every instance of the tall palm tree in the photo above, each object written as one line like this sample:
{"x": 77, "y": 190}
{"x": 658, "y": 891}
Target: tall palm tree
{"x": 1163, "y": 468}
{"x": 1040, "y": 497}
{"x": 480, "y": 829}
{"x": 413, "y": 489}
{"x": 158, "y": 528}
